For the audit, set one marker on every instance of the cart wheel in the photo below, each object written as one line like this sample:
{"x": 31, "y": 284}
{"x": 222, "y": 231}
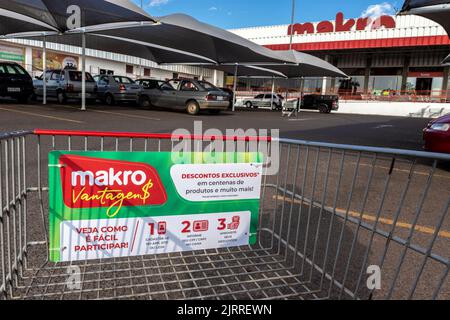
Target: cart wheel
{"x": 23, "y": 99}
{"x": 192, "y": 108}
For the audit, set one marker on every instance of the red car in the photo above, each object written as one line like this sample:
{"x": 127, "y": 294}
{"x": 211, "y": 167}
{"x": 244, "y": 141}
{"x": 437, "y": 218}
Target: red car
{"x": 437, "y": 135}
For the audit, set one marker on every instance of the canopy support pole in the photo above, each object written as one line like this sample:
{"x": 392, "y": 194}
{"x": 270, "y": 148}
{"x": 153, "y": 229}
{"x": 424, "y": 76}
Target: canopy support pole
{"x": 273, "y": 92}
{"x": 300, "y": 100}
{"x": 44, "y": 74}
{"x": 236, "y": 68}
{"x": 83, "y": 72}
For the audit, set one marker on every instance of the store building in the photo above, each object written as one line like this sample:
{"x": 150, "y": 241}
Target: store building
{"x": 388, "y": 56}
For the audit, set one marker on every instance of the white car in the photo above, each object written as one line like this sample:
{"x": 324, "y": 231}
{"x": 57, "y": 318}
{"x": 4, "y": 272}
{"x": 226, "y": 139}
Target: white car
{"x": 274, "y": 102}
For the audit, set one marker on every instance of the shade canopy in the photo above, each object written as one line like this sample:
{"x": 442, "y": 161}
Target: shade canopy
{"x": 13, "y": 23}
{"x": 436, "y": 10}
{"x": 247, "y": 71}
{"x": 56, "y": 13}
{"x": 447, "y": 60}
{"x": 143, "y": 50}
{"x": 306, "y": 65}
{"x": 186, "y": 34}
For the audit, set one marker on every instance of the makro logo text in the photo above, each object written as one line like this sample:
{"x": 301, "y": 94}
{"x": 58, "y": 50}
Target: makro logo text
{"x": 108, "y": 178}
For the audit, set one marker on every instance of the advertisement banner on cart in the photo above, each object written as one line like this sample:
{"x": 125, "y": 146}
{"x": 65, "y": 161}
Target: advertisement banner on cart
{"x": 122, "y": 204}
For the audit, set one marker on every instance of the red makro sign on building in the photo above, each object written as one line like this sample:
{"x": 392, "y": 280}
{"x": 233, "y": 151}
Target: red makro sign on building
{"x": 342, "y": 25}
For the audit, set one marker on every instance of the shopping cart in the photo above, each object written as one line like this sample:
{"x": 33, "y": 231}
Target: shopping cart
{"x": 336, "y": 222}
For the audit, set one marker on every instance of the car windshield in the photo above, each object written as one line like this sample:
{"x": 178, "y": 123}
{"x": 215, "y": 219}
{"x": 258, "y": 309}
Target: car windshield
{"x": 123, "y": 80}
{"x": 76, "y": 76}
{"x": 188, "y": 86}
{"x": 167, "y": 86}
{"x": 150, "y": 84}
{"x": 20, "y": 70}
{"x": 12, "y": 69}
{"x": 207, "y": 86}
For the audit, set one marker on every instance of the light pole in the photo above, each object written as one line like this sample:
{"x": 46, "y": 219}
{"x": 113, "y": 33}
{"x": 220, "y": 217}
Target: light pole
{"x": 140, "y": 59}
{"x": 292, "y": 24}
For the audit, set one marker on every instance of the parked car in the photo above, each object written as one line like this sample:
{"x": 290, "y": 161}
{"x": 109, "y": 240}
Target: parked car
{"x": 113, "y": 89}
{"x": 274, "y": 102}
{"x": 437, "y": 135}
{"x": 65, "y": 84}
{"x": 322, "y": 103}
{"x": 15, "y": 82}
{"x": 191, "y": 95}
{"x": 230, "y": 94}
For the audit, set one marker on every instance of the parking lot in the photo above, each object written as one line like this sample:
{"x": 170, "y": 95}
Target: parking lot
{"x": 380, "y": 131}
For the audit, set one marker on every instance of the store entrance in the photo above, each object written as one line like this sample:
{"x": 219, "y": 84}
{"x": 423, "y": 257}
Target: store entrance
{"x": 423, "y": 86}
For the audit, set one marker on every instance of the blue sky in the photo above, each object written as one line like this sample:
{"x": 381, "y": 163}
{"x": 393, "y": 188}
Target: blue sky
{"x": 246, "y": 13}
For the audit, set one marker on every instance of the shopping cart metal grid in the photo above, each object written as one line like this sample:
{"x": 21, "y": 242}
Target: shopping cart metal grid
{"x": 330, "y": 216}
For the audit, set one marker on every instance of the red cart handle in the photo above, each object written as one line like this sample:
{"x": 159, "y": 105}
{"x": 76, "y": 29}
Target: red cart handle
{"x": 162, "y": 136}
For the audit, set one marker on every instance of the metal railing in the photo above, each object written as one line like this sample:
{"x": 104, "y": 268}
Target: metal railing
{"x": 336, "y": 221}
{"x": 411, "y": 96}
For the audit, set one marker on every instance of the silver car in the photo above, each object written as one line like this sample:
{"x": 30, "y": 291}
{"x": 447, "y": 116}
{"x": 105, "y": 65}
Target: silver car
{"x": 113, "y": 89}
{"x": 64, "y": 85}
{"x": 274, "y": 102}
{"x": 191, "y": 95}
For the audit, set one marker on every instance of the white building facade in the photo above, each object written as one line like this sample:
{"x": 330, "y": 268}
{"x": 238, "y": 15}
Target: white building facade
{"x": 385, "y": 56}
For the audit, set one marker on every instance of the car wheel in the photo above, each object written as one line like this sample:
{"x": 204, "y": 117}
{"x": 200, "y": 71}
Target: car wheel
{"x": 23, "y": 99}
{"x": 61, "y": 97}
{"x": 323, "y": 108}
{"x": 144, "y": 102}
{"x": 192, "y": 108}
{"x": 248, "y": 104}
{"x": 109, "y": 100}
{"x": 215, "y": 111}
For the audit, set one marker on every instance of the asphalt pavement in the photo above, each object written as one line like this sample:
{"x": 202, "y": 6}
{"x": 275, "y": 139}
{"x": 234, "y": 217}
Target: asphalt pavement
{"x": 380, "y": 131}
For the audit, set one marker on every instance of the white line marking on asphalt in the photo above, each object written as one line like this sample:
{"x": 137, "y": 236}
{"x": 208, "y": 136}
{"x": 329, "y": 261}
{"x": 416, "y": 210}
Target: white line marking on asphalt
{"x": 115, "y": 113}
{"x": 41, "y": 115}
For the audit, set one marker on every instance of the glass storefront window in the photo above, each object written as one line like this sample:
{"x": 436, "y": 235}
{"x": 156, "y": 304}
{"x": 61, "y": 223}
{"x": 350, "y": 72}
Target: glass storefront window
{"x": 352, "y": 86}
{"x": 436, "y": 87}
{"x": 425, "y": 86}
{"x": 313, "y": 85}
{"x": 385, "y": 85}
{"x": 411, "y": 84}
